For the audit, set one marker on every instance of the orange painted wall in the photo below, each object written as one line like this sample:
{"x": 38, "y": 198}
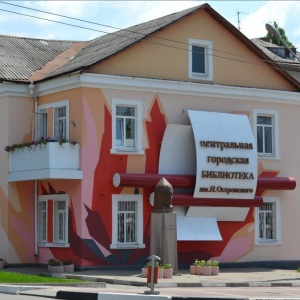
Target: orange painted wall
{"x": 147, "y": 59}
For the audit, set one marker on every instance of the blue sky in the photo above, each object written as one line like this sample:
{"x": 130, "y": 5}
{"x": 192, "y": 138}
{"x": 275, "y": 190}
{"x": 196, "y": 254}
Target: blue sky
{"x": 121, "y": 14}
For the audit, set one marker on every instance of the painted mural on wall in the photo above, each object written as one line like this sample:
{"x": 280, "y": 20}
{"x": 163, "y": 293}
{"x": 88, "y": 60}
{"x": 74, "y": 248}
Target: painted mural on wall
{"x": 90, "y": 209}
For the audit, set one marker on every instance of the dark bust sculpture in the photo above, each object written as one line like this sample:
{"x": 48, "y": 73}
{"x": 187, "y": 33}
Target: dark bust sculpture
{"x": 163, "y": 197}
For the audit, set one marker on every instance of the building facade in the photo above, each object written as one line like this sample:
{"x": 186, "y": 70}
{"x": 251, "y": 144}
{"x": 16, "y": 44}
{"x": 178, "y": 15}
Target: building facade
{"x": 188, "y": 98}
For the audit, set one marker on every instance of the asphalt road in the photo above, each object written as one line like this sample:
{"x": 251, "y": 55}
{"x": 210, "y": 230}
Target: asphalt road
{"x": 178, "y": 292}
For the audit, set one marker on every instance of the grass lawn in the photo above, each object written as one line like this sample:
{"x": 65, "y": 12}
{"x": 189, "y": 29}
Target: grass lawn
{"x": 11, "y": 277}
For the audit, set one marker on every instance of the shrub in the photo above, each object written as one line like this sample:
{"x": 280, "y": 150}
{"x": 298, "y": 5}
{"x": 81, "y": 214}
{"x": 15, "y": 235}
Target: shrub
{"x": 54, "y": 262}
{"x": 67, "y": 262}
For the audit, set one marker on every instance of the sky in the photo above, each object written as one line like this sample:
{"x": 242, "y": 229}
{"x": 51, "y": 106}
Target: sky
{"x": 253, "y": 15}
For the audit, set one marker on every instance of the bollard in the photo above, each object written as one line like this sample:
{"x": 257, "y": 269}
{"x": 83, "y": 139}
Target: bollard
{"x": 153, "y": 259}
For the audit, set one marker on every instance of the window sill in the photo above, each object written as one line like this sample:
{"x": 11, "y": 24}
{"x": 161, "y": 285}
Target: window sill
{"x": 268, "y": 243}
{"x": 268, "y": 157}
{"x": 127, "y": 246}
{"x": 201, "y": 76}
{"x": 126, "y": 151}
{"x": 54, "y": 245}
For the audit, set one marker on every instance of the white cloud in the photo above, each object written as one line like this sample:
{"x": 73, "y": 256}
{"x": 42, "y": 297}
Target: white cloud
{"x": 284, "y": 13}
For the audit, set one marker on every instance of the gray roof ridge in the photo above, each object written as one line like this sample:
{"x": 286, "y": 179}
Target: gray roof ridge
{"x": 38, "y": 39}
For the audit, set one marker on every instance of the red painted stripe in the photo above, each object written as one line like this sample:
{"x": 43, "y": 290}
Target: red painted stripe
{"x": 188, "y": 181}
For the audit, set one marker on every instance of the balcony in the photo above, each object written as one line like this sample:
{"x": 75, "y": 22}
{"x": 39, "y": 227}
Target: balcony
{"x": 42, "y": 162}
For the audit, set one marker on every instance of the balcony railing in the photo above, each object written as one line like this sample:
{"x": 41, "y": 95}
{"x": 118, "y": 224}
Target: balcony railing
{"x": 48, "y": 161}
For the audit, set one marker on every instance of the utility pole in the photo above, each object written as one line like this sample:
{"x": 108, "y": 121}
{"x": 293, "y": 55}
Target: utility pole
{"x": 239, "y": 21}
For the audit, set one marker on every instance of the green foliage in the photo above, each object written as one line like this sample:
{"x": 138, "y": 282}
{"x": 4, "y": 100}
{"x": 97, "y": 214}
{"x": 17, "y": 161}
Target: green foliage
{"x": 54, "y": 262}
{"x": 276, "y": 40}
{"x": 67, "y": 262}
{"x": 199, "y": 263}
{"x": 149, "y": 264}
{"x": 209, "y": 263}
{"x": 215, "y": 263}
{"x": 11, "y": 277}
{"x": 167, "y": 266}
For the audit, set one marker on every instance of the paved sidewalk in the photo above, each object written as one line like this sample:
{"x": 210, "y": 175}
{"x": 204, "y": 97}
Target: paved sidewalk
{"x": 226, "y": 277}
{"x": 130, "y": 282}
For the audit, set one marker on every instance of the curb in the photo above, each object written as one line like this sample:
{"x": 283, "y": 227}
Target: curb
{"x": 179, "y": 284}
{"x": 16, "y": 289}
{"x": 107, "y": 296}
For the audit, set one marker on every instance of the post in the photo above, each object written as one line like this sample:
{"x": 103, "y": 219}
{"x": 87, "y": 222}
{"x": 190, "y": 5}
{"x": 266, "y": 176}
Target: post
{"x": 153, "y": 258}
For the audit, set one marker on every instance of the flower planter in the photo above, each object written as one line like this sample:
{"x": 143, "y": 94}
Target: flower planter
{"x": 69, "y": 268}
{"x": 193, "y": 270}
{"x": 41, "y": 160}
{"x": 160, "y": 273}
{"x": 215, "y": 270}
{"x": 56, "y": 269}
{"x": 168, "y": 273}
{"x": 206, "y": 271}
{"x": 144, "y": 272}
{"x": 200, "y": 270}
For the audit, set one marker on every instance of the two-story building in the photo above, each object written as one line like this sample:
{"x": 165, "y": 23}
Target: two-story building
{"x": 93, "y": 126}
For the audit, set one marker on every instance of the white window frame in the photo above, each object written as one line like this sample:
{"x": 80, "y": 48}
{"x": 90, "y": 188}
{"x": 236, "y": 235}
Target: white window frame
{"x": 277, "y": 240}
{"x": 275, "y": 133}
{"x": 56, "y": 243}
{"x": 42, "y": 127}
{"x": 55, "y": 105}
{"x": 208, "y": 58}
{"x": 139, "y": 221}
{"x": 138, "y": 127}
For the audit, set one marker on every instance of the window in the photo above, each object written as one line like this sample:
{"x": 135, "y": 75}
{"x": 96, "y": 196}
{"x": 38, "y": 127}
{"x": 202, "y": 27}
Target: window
{"x": 53, "y": 220}
{"x": 126, "y": 126}
{"x": 60, "y": 122}
{"x": 127, "y": 221}
{"x": 267, "y": 133}
{"x": 200, "y": 59}
{"x": 56, "y": 113}
{"x": 42, "y": 123}
{"x": 267, "y": 222}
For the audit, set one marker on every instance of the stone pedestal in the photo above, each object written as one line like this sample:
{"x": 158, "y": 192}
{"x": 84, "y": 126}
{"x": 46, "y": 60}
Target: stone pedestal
{"x": 163, "y": 238}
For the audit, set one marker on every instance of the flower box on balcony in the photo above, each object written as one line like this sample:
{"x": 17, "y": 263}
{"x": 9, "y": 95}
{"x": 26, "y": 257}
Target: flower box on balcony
{"x": 47, "y": 161}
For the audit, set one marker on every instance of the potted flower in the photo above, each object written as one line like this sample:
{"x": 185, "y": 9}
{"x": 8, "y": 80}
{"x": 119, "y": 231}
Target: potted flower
{"x": 68, "y": 266}
{"x": 200, "y": 267}
{"x": 215, "y": 268}
{"x": 160, "y": 273}
{"x": 145, "y": 270}
{"x": 207, "y": 268}
{"x": 193, "y": 267}
{"x": 168, "y": 270}
{"x": 55, "y": 266}
{"x": 2, "y": 263}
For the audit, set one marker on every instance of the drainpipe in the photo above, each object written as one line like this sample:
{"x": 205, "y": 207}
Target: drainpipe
{"x": 34, "y": 137}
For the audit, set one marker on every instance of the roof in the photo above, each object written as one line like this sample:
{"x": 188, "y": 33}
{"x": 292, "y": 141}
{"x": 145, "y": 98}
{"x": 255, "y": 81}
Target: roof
{"x": 292, "y": 67}
{"x": 110, "y": 44}
{"x": 26, "y": 59}
{"x": 20, "y": 57}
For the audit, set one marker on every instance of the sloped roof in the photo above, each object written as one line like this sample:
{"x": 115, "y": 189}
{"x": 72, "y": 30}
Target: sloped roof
{"x": 20, "y": 57}
{"x": 25, "y": 59}
{"x": 110, "y": 44}
{"x": 292, "y": 67}
{"x": 264, "y": 46}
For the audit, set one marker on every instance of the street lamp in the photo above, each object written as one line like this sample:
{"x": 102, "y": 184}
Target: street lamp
{"x": 271, "y": 29}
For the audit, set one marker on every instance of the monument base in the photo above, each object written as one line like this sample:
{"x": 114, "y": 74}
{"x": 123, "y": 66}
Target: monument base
{"x": 163, "y": 238}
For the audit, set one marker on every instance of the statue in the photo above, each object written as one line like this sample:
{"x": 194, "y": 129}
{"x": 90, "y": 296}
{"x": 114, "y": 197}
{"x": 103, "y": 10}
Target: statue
{"x": 163, "y": 197}
{"x": 163, "y": 237}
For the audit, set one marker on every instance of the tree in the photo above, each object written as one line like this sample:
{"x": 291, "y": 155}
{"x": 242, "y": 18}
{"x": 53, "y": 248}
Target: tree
{"x": 276, "y": 40}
